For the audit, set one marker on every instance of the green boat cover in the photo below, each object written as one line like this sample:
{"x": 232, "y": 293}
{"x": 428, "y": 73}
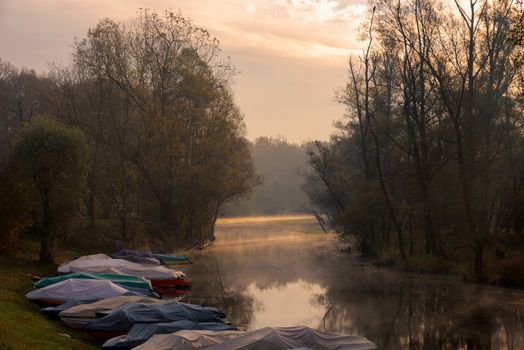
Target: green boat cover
{"x": 125, "y": 281}
{"x": 172, "y": 257}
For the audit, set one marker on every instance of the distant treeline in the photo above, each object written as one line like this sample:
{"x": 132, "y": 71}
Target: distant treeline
{"x": 429, "y": 159}
{"x": 281, "y": 166}
{"x": 140, "y": 130}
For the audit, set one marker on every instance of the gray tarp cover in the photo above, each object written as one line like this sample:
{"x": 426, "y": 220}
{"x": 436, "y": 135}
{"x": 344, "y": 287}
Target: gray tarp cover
{"x": 264, "y": 338}
{"x": 65, "y": 267}
{"x": 78, "y": 289}
{"x": 140, "y": 333}
{"x": 53, "y": 311}
{"x": 125, "y": 317}
{"x": 79, "y": 316}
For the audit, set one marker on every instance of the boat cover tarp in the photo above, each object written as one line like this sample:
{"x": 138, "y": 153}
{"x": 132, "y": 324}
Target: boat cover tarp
{"x": 265, "y": 338}
{"x": 163, "y": 258}
{"x": 124, "y": 318}
{"x": 79, "y": 316}
{"x": 53, "y": 311}
{"x": 140, "y": 333}
{"x": 122, "y": 280}
{"x": 172, "y": 257}
{"x": 78, "y": 289}
{"x": 143, "y": 261}
{"x": 64, "y": 268}
{"x": 119, "y": 267}
{"x": 128, "y": 253}
{"x": 187, "y": 340}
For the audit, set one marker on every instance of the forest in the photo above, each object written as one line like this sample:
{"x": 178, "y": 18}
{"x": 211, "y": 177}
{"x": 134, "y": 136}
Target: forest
{"x": 140, "y": 129}
{"x": 427, "y": 165}
{"x": 281, "y": 166}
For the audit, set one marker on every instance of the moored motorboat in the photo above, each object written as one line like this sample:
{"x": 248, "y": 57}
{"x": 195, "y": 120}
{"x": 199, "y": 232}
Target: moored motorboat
{"x": 140, "y": 333}
{"x": 133, "y": 283}
{"x": 79, "y": 316}
{"x": 76, "y": 289}
{"x": 265, "y": 338}
{"x": 173, "y": 259}
{"x": 160, "y": 276}
{"x": 183, "y": 282}
{"x": 162, "y": 258}
{"x": 137, "y": 256}
{"x": 123, "y": 319}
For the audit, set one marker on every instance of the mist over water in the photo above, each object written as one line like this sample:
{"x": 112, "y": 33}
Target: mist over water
{"x": 284, "y": 271}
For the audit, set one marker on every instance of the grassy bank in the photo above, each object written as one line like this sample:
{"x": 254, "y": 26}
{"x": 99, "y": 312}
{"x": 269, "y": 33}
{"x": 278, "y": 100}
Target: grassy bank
{"x": 507, "y": 271}
{"x": 20, "y": 326}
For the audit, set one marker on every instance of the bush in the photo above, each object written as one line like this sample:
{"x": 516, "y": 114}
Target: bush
{"x": 426, "y": 264}
{"x": 511, "y": 272}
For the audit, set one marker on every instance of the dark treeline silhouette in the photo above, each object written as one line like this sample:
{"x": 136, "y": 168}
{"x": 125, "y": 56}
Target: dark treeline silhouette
{"x": 429, "y": 157}
{"x": 152, "y": 96}
{"x": 280, "y": 165}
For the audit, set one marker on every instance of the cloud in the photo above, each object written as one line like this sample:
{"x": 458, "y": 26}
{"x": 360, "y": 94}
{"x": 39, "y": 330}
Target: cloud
{"x": 292, "y": 53}
{"x": 305, "y": 29}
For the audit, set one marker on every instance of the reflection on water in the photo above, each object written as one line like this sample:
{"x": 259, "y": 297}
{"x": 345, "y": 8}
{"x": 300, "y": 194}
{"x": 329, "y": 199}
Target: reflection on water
{"x": 285, "y": 272}
{"x": 293, "y": 304}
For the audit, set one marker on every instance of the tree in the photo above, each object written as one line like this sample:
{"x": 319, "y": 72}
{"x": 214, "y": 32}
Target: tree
{"x": 51, "y": 160}
{"x": 434, "y": 115}
{"x": 154, "y": 97}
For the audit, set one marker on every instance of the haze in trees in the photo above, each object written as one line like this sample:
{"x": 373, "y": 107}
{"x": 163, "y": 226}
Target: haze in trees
{"x": 280, "y": 165}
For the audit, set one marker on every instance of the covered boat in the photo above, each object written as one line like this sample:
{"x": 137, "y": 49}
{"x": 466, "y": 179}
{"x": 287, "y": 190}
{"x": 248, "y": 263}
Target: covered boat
{"x": 159, "y": 275}
{"x": 163, "y": 258}
{"x": 65, "y": 267}
{"x": 173, "y": 259}
{"x": 54, "y": 311}
{"x": 135, "y": 283}
{"x": 138, "y": 257}
{"x": 76, "y": 289}
{"x": 140, "y": 333}
{"x": 79, "y": 316}
{"x": 120, "y": 321}
{"x": 265, "y": 338}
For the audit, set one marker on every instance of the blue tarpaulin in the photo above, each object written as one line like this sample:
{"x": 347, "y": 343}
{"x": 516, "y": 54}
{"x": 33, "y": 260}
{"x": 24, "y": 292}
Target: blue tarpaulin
{"x": 125, "y": 318}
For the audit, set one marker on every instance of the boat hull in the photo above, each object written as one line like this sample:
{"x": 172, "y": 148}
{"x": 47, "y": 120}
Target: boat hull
{"x": 172, "y": 283}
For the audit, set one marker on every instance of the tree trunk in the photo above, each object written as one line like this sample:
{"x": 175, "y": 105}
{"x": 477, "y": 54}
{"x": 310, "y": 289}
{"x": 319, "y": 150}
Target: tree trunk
{"x": 47, "y": 247}
{"x": 48, "y": 238}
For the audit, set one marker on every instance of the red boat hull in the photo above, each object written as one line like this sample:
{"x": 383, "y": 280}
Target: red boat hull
{"x": 43, "y": 303}
{"x": 172, "y": 283}
{"x": 103, "y": 336}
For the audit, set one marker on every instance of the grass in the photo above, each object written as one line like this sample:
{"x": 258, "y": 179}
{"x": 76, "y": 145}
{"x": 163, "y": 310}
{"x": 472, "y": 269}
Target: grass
{"x": 20, "y": 326}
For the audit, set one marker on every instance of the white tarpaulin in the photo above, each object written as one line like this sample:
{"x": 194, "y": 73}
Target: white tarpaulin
{"x": 187, "y": 340}
{"x": 78, "y": 289}
{"x": 265, "y": 338}
{"x": 81, "y": 315}
{"x": 64, "y": 268}
{"x": 118, "y": 266}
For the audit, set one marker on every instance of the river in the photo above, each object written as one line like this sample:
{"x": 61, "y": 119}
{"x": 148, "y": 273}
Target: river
{"x": 282, "y": 271}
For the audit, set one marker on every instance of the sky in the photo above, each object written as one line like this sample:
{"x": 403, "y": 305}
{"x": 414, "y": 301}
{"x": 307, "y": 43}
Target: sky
{"x": 292, "y": 54}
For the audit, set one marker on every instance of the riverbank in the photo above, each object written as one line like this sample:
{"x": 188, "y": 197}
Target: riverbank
{"x": 21, "y": 327}
{"x": 506, "y": 271}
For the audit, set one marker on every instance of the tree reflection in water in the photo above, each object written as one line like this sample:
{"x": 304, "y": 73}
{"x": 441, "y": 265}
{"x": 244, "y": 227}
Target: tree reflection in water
{"x": 254, "y": 269}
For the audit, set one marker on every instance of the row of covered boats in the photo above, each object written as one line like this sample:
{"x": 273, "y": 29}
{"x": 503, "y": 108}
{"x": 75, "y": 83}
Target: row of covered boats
{"x": 121, "y": 301}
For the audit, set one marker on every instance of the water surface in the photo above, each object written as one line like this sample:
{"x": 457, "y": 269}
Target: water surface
{"x": 285, "y": 272}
